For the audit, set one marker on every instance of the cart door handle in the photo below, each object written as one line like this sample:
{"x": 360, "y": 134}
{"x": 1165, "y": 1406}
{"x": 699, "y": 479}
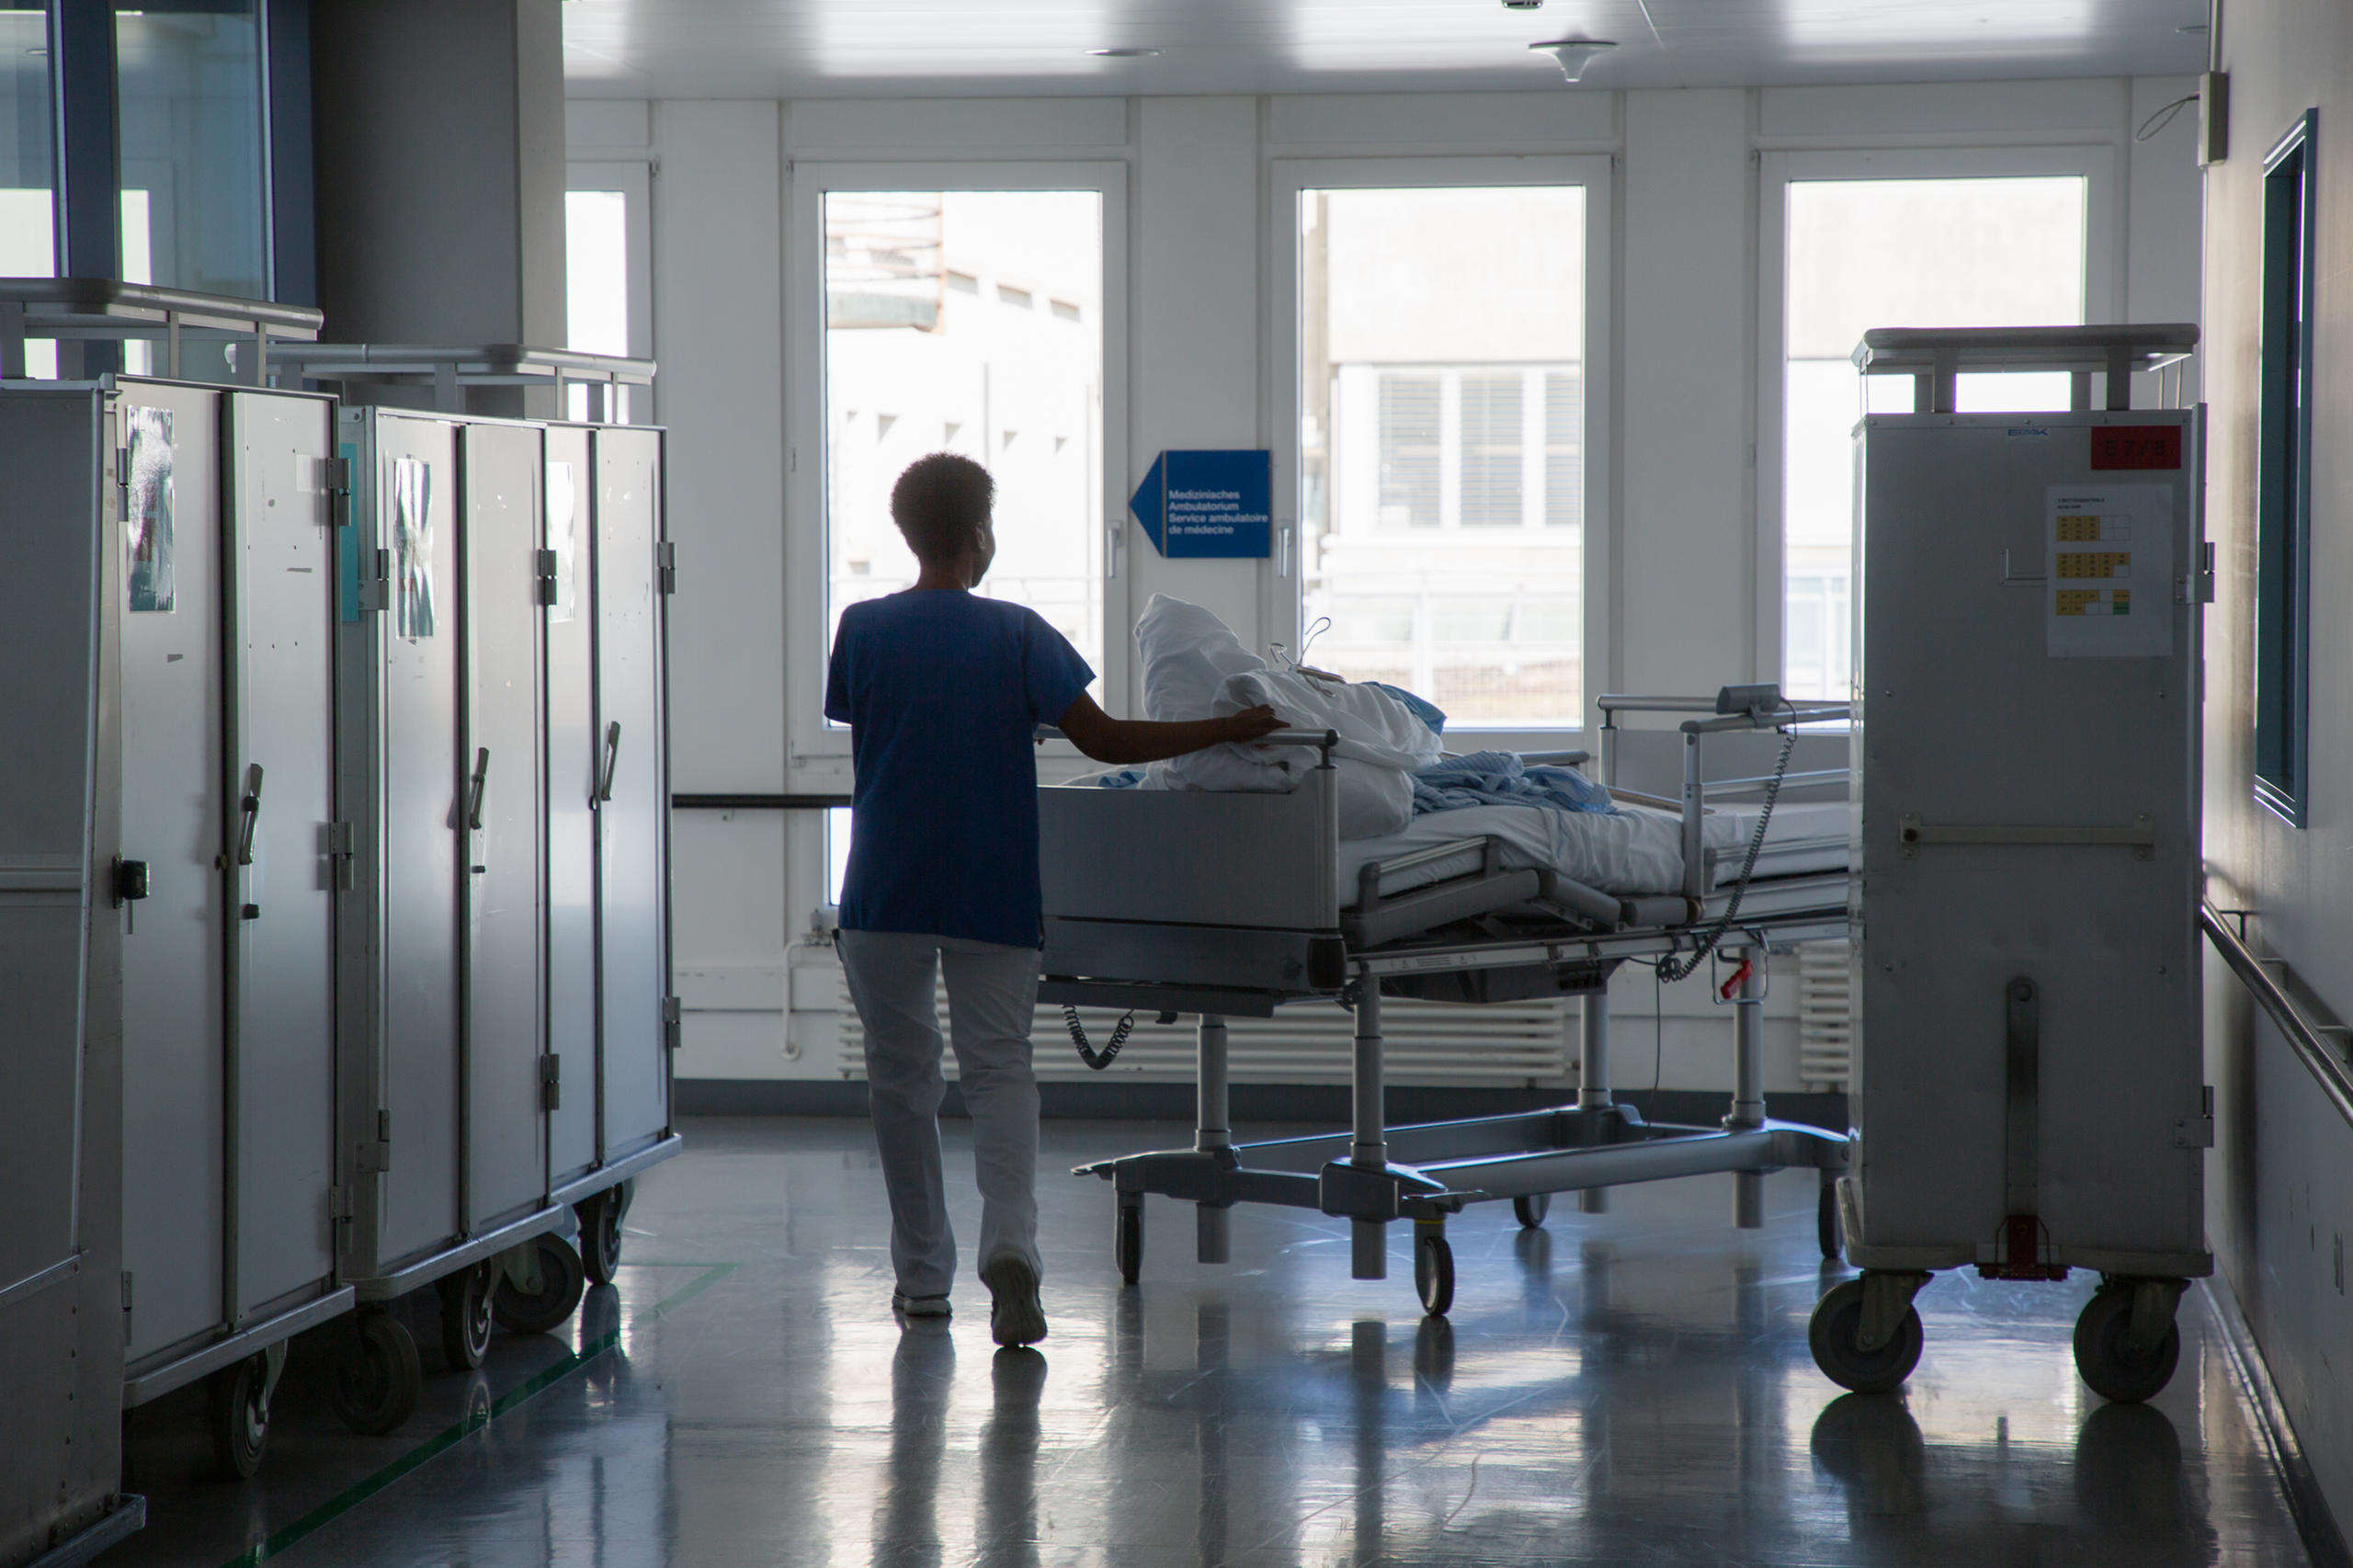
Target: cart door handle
{"x": 612, "y": 760}
{"x": 249, "y": 809}
{"x": 481, "y": 775}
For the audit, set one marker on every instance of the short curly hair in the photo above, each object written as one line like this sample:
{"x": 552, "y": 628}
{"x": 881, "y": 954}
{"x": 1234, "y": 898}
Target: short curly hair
{"x": 941, "y": 503}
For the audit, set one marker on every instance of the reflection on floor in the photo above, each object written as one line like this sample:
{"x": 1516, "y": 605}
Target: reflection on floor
{"x": 1631, "y": 1387}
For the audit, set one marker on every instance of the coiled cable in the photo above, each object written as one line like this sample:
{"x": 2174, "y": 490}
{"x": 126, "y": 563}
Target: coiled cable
{"x": 1098, "y": 1059}
{"x": 1668, "y": 969}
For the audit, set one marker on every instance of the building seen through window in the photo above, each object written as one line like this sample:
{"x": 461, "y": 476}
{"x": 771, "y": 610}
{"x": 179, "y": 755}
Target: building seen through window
{"x": 1864, "y": 254}
{"x": 968, "y": 322}
{"x": 1442, "y": 444}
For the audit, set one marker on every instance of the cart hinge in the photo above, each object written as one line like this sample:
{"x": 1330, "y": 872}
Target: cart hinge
{"x": 2197, "y": 1131}
{"x": 126, "y": 1291}
{"x": 2198, "y": 586}
{"x": 551, "y": 1082}
{"x": 383, "y": 584}
{"x": 339, "y": 1219}
{"x": 340, "y": 852}
{"x": 671, "y": 1013}
{"x": 666, "y": 556}
{"x": 376, "y": 1154}
{"x": 544, "y": 566}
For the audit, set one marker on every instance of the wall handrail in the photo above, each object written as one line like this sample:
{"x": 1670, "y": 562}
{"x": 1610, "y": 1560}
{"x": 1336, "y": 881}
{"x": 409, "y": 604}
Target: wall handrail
{"x": 2319, "y": 1057}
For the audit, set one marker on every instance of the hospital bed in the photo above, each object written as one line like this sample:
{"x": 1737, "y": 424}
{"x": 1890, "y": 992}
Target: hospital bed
{"x": 1231, "y": 904}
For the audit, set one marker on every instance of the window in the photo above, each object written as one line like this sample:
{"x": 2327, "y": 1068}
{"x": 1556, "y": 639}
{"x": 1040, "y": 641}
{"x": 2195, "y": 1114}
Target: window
{"x": 596, "y": 282}
{"x": 1442, "y": 344}
{"x": 991, "y": 370}
{"x": 1941, "y": 251}
{"x": 2283, "y": 479}
{"x": 28, "y": 175}
{"x": 609, "y": 293}
{"x": 191, "y": 108}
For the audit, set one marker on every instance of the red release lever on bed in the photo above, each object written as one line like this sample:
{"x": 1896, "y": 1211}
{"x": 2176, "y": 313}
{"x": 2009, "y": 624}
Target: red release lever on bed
{"x": 1731, "y": 988}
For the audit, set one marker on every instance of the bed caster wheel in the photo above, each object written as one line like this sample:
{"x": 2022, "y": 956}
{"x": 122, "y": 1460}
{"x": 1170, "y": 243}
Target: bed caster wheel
{"x": 240, "y": 1418}
{"x": 1825, "y": 1223}
{"x": 537, "y": 1297}
{"x": 600, "y": 1231}
{"x": 1432, "y": 1269}
{"x": 1530, "y": 1210}
{"x": 1836, "y": 1334}
{"x": 465, "y": 1315}
{"x": 378, "y": 1378}
{"x": 2120, "y": 1368}
{"x": 1127, "y": 1239}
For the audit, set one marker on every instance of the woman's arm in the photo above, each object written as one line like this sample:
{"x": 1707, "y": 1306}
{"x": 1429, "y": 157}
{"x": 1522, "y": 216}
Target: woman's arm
{"x": 1119, "y": 741}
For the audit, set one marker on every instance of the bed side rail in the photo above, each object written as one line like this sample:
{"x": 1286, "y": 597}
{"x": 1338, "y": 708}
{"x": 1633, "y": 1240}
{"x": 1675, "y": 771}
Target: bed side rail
{"x": 1733, "y": 708}
{"x": 1192, "y": 857}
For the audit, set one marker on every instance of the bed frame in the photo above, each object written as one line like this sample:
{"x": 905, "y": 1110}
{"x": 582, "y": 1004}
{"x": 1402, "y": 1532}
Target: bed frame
{"x": 1226, "y": 906}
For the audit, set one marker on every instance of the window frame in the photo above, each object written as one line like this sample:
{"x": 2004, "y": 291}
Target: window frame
{"x": 2095, "y": 163}
{"x": 820, "y": 752}
{"x": 1283, "y": 610}
{"x": 2283, "y": 520}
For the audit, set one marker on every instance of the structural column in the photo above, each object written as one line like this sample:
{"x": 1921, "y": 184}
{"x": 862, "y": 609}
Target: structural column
{"x": 439, "y": 129}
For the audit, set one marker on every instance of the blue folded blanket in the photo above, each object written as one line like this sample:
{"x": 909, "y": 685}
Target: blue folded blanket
{"x": 1501, "y": 778}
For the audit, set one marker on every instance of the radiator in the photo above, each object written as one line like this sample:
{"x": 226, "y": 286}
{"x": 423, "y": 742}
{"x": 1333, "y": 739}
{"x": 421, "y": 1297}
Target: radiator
{"x": 1424, "y": 1043}
{"x": 1825, "y": 1015}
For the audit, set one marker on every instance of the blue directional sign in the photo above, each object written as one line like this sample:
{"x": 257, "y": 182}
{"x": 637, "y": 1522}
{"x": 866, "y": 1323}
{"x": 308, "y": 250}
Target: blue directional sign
{"x": 1198, "y": 505}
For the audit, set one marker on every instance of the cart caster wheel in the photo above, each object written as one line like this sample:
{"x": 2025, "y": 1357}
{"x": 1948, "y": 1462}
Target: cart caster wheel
{"x": 1433, "y": 1271}
{"x": 600, "y": 1233}
{"x": 378, "y": 1379}
{"x": 2105, "y": 1357}
{"x": 542, "y": 1310}
{"x": 1530, "y": 1211}
{"x": 1837, "y": 1320}
{"x": 241, "y": 1418}
{"x": 465, "y": 1316}
{"x": 1825, "y": 1223}
{"x": 1127, "y": 1240}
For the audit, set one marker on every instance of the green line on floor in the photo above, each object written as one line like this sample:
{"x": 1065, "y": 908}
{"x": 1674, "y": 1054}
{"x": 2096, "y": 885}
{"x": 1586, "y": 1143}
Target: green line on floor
{"x": 475, "y": 1420}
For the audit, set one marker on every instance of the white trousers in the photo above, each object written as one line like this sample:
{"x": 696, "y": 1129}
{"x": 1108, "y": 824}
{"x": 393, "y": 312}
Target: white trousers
{"x": 992, "y": 997}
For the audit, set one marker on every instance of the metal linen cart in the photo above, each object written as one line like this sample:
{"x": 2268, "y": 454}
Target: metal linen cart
{"x": 508, "y": 1020}
{"x": 204, "y": 509}
{"x": 2028, "y": 1095}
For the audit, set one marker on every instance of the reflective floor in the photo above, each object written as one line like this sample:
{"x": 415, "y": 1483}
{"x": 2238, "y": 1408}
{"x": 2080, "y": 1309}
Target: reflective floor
{"x": 1628, "y": 1388}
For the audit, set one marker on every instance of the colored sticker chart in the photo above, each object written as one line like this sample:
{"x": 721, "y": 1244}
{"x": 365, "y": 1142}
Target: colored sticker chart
{"x": 2108, "y": 555}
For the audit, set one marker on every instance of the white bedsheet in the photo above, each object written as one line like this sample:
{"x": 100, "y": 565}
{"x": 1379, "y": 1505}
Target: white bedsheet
{"x": 1634, "y": 850}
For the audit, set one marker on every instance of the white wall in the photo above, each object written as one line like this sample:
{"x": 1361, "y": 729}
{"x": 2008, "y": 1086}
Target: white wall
{"x": 1690, "y": 569}
{"x": 2278, "y": 1214}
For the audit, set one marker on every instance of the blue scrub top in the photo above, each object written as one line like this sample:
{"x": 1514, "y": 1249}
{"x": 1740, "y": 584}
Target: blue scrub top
{"x": 941, "y": 690}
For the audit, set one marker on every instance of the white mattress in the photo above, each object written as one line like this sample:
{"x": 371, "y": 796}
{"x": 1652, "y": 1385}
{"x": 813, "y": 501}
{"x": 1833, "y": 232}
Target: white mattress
{"x": 1635, "y": 850}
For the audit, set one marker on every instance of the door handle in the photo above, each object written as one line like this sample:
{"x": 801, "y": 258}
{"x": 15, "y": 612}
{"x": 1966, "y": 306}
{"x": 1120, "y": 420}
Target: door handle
{"x": 612, "y": 761}
{"x": 249, "y": 809}
{"x": 481, "y": 775}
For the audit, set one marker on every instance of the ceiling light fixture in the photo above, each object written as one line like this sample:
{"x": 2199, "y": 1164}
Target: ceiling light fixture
{"x": 1128, "y": 51}
{"x": 1573, "y": 54}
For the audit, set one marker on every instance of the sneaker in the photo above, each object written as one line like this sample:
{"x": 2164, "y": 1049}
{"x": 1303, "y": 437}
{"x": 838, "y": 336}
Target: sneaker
{"x": 1016, "y": 1316}
{"x": 919, "y": 1306}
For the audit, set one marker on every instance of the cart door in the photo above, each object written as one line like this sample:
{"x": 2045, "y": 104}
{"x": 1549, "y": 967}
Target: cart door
{"x": 414, "y": 478}
{"x": 281, "y": 792}
{"x": 572, "y": 819}
{"x": 633, "y": 881}
{"x": 506, "y": 1030}
{"x": 174, "y": 821}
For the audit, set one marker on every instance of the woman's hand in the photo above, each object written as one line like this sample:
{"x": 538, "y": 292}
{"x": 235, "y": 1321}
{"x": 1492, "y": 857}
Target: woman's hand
{"x": 1250, "y": 723}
